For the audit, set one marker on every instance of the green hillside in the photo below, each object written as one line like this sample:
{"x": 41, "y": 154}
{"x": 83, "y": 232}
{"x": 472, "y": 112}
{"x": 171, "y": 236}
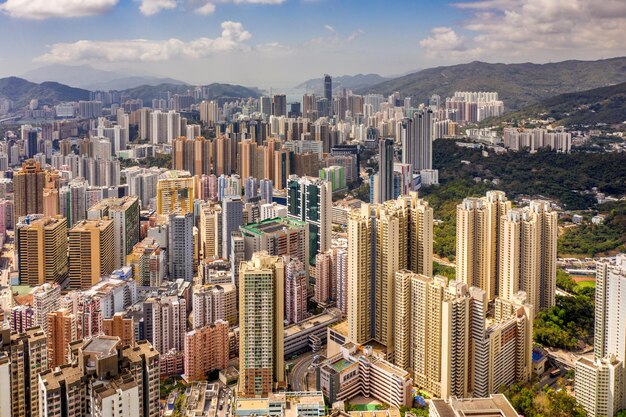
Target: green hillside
{"x": 519, "y": 85}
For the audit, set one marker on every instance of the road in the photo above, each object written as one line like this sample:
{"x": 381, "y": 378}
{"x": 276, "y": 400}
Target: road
{"x": 299, "y": 372}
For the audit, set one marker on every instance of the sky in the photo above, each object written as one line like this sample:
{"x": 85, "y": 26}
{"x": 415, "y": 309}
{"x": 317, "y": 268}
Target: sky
{"x": 280, "y": 43}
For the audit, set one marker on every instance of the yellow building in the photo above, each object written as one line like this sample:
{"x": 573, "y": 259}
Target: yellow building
{"x": 261, "y": 325}
{"x": 42, "y": 251}
{"x": 175, "y": 192}
{"x": 91, "y": 252}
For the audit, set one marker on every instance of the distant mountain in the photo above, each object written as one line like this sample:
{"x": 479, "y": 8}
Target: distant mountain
{"x": 518, "y": 85}
{"x": 351, "y": 82}
{"x": 21, "y": 92}
{"x": 216, "y": 90}
{"x": 600, "y": 105}
{"x": 90, "y": 78}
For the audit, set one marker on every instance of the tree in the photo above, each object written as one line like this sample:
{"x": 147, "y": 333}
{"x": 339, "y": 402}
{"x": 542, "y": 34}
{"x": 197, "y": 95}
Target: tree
{"x": 564, "y": 281}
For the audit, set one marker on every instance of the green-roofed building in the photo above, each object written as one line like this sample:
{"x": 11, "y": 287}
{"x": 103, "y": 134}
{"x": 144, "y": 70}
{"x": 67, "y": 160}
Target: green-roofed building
{"x": 278, "y": 236}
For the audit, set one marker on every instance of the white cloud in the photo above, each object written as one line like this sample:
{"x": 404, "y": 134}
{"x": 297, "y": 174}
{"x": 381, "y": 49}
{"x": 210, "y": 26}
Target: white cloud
{"x": 150, "y": 7}
{"x": 233, "y": 37}
{"x": 45, "y": 9}
{"x": 524, "y": 28}
{"x": 334, "y": 38}
{"x": 208, "y": 8}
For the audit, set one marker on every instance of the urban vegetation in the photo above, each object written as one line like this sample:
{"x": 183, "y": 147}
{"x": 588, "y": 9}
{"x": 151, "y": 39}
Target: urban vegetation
{"x": 597, "y": 239}
{"x": 567, "y": 325}
{"x": 524, "y": 174}
{"x": 529, "y": 400}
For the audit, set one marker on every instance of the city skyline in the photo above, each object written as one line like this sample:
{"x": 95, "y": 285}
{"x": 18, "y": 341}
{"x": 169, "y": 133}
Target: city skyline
{"x": 214, "y": 41}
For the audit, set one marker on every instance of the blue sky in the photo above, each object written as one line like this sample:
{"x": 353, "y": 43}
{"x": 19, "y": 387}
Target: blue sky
{"x": 279, "y": 43}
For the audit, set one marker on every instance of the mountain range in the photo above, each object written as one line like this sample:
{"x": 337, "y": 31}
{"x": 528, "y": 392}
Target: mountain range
{"x": 21, "y": 91}
{"x": 518, "y": 85}
{"x": 90, "y": 78}
{"x": 599, "y": 105}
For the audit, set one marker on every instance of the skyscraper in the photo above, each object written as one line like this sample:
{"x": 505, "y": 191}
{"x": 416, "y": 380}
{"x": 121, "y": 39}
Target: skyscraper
{"x": 261, "y": 326}
{"x": 328, "y": 92}
{"x": 125, "y": 215}
{"x": 28, "y": 186}
{"x": 175, "y": 192}
{"x": 478, "y": 240}
{"x": 600, "y": 383}
{"x": 310, "y": 200}
{"x": 528, "y": 254}
{"x": 296, "y": 287}
{"x": 180, "y": 246}
{"x": 279, "y": 105}
{"x": 27, "y": 355}
{"x": 383, "y": 239}
{"x": 359, "y": 276}
{"x": 232, "y": 219}
{"x": 385, "y": 169}
{"x": 42, "y": 251}
{"x": 91, "y": 252}
{"x": 61, "y": 331}
{"x": 416, "y": 136}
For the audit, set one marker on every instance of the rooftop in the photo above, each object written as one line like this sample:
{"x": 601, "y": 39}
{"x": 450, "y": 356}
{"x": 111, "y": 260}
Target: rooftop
{"x": 272, "y": 225}
{"x": 102, "y": 345}
{"x": 321, "y": 319}
{"x": 495, "y": 406}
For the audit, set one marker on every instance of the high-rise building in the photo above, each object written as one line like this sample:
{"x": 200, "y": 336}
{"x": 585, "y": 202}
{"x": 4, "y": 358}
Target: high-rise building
{"x": 28, "y": 184}
{"x": 479, "y": 240}
{"x": 325, "y": 277}
{"x": 27, "y": 355}
{"x": 106, "y": 379}
{"x": 175, "y": 192}
{"x": 278, "y": 237}
{"x": 148, "y": 261}
{"x": 125, "y": 215}
{"x": 328, "y": 90}
{"x": 261, "y": 325}
{"x": 22, "y": 318}
{"x": 600, "y": 383}
{"x": 600, "y": 386}
{"x": 341, "y": 274}
{"x": 232, "y": 219}
{"x": 72, "y": 201}
{"x": 120, "y": 326}
{"x": 42, "y": 251}
{"x": 165, "y": 322}
{"x": 417, "y": 141}
{"x": 528, "y": 254}
{"x": 213, "y": 302}
{"x": 61, "y": 332}
{"x": 310, "y": 200}
{"x": 279, "y": 105}
{"x": 193, "y": 155}
{"x": 359, "y": 302}
{"x": 210, "y": 230}
{"x": 206, "y": 350}
{"x": 91, "y": 252}
{"x": 388, "y": 237}
{"x": 180, "y": 247}
{"x": 46, "y": 299}
{"x": 385, "y": 170}
{"x": 296, "y": 289}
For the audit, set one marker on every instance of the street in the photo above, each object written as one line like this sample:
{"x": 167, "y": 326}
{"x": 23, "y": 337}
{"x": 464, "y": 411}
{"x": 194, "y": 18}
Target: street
{"x": 299, "y": 372}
